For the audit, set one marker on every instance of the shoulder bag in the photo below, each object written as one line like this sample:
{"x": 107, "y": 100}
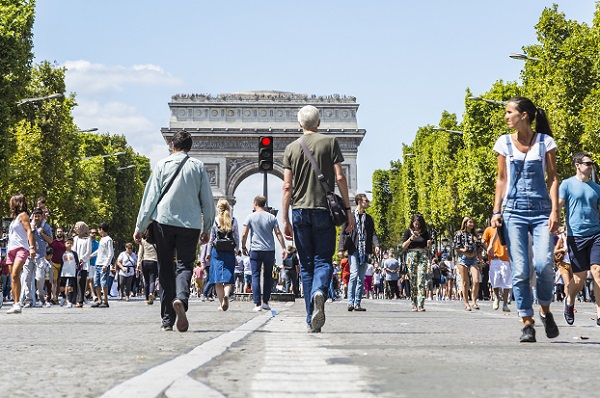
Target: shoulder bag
{"x": 335, "y": 203}
{"x": 150, "y": 237}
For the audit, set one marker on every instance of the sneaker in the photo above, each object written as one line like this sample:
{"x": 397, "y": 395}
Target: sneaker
{"x": 265, "y": 306}
{"x": 496, "y": 304}
{"x": 104, "y": 305}
{"x": 505, "y": 308}
{"x": 69, "y": 305}
{"x": 15, "y": 309}
{"x": 95, "y": 304}
{"x": 597, "y": 321}
{"x": 47, "y": 305}
{"x": 350, "y": 307}
{"x": 549, "y": 325}
{"x": 310, "y": 329}
{"x": 38, "y": 304}
{"x": 528, "y": 335}
{"x": 318, "y": 316}
{"x": 27, "y": 305}
{"x": 166, "y": 328}
{"x": 359, "y": 308}
{"x": 569, "y": 313}
{"x": 150, "y": 299}
{"x": 258, "y": 308}
{"x": 202, "y": 297}
{"x": 181, "y": 322}
{"x": 127, "y": 298}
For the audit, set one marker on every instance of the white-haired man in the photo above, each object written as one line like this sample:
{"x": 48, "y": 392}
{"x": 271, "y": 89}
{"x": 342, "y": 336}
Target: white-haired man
{"x": 313, "y": 230}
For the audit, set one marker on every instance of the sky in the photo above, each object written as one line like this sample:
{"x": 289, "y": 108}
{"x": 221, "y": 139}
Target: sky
{"x": 405, "y": 61}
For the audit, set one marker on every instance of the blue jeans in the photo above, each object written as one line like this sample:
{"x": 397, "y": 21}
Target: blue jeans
{"x": 314, "y": 233}
{"x": 519, "y": 225}
{"x": 258, "y": 259}
{"x": 357, "y": 280}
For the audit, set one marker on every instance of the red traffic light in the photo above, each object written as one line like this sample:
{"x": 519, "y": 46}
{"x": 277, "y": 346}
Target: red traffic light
{"x": 265, "y": 141}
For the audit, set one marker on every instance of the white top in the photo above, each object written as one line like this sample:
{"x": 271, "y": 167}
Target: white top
{"x": 17, "y": 236}
{"x": 105, "y": 252}
{"x": 369, "y": 271}
{"x": 534, "y": 153}
{"x": 69, "y": 266}
{"x": 83, "y": 248}
{"x": 449, "y": 264}
{"x": 129, "y": 261}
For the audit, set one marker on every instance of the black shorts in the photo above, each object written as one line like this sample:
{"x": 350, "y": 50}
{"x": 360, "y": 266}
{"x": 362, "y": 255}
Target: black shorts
{"x": 584, "y": 251}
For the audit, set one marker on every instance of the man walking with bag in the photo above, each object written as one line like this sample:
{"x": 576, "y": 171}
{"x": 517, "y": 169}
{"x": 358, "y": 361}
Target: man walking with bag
{"x": 178, "y": 197}
{"x": 313, "y": 229}
{"x": 359, "y": 243}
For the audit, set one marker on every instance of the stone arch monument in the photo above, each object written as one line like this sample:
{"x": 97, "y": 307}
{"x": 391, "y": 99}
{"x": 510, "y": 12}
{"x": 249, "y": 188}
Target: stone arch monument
{"x": 226, "y": 129}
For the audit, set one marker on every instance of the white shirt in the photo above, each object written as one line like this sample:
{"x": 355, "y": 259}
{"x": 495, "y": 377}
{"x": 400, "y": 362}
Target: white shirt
{"x": 105, "y": 252}
{"x": 83, "y": 248}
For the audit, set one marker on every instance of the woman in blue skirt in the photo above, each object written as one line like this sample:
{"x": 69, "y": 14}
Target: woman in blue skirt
{"x": 223, "y": 243}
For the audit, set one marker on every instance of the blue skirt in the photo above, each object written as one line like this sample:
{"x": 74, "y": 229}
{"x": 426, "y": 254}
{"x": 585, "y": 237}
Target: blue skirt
{"x": 222, "y": 266}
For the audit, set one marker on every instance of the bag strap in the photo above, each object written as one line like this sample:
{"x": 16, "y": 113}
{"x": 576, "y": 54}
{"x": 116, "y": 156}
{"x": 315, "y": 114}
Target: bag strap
{"x": 316, "y": 168}
{"x": 162, "y": 194}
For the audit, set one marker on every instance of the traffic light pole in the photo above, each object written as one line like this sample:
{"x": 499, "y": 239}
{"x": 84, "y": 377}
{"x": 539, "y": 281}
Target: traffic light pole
{"x": 265, "y": 188}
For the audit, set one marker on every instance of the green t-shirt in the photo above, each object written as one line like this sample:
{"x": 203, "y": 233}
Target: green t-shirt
{"x": 308, "y": 192}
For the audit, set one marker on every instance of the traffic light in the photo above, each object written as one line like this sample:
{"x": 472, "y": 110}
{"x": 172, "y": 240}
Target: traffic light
{"x": 265, "y": 153}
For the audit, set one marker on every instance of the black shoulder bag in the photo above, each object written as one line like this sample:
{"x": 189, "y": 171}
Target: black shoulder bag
{"x": 337, "y": 207}
{"x": 150, "y": 237}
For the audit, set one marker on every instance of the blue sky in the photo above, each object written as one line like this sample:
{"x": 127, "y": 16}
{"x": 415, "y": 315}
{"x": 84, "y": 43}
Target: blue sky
{"x": 404, "y": 61}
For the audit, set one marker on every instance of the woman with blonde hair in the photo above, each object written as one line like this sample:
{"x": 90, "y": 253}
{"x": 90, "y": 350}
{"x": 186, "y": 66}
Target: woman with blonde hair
{"x": 223, "y": 243}
{"x": 466, "y": 244}
{"x": 82, "y": 245}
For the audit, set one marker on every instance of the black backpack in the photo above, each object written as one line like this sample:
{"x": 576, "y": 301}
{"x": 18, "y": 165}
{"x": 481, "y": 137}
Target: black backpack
{"x": 224, "y": 241}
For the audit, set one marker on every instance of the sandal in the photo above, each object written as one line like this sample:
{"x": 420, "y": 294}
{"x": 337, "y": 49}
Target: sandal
{"x": 414, "y": 308}
{"x": 467, "y": 308}
{"x": 475, "y": 306}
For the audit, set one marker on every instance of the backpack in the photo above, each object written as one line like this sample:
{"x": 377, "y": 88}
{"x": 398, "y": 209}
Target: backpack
{"x": 224, "y": 241}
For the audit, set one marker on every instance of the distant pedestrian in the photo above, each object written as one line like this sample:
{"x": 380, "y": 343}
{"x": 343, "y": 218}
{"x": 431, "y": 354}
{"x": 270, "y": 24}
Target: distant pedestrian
{"x": 148, "y": 263}
{"x": 313, "y": 229}
{"x": 69, "y": 267}
{"x": 500, "y": 271}
{"x": 104, "y": 256}
{"x": 361, "y": 242}
{"x": 21, "y": 246}
{"x": 82, "y": 245}
{"x": 417, "y": 243}
{"x": 466, "y": 243}
{"x": 126, "y": 264}
{"x": 223, "y": 244}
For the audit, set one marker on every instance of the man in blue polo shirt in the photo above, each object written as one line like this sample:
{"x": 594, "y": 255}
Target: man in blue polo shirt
{"x": 581, "y": 197}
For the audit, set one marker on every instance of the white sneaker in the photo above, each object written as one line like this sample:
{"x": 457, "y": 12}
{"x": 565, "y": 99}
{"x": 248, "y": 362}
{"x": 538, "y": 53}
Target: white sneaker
{"x": 496, "y": 304}
{"x": 47, "y": 305}
{"x": 27, "y": 305}
{"x": 257, "y": 308}
{"x": 265, "y": 306}
{"x": 505, "y": 308}
{"x": 69, "y": 305}
{"x": 15, "y": 309}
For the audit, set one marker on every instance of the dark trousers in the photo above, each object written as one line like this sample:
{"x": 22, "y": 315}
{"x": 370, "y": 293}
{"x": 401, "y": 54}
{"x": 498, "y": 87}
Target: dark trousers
{"x": 81, "y": 282}
{"x": 150, "y": 270}
{"x": 175, "y": 277}
{"x": 258, "y": 261}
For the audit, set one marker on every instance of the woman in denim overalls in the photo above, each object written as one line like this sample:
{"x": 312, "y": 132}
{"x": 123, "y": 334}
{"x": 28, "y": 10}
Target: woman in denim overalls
{"x": 528, "y": 211}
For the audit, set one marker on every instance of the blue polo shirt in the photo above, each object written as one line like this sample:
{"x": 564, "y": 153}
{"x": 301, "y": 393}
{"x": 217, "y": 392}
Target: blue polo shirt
{"x": 581, "y": 206}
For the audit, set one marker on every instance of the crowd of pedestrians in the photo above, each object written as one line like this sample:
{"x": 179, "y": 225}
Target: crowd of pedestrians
{"x": 187, "y": 245}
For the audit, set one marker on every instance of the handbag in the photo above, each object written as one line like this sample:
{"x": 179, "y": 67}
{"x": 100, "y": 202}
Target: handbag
{"x": 335, "y": 203}
{"x": 149, "y": 233}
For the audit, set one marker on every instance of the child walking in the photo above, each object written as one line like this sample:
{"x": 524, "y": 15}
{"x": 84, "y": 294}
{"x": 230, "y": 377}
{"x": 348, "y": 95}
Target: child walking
{"x": 68, "y": 264}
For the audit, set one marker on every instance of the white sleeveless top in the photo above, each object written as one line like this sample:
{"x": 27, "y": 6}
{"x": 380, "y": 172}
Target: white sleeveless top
{"x": 17, "y": 236}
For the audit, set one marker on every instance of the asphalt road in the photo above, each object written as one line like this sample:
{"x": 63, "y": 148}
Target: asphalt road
{"x": 386, "y": 351}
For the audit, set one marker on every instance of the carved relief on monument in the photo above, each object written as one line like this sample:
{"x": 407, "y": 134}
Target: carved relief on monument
{"x": 234, "y": 164}
{"x": 212, "y": 170}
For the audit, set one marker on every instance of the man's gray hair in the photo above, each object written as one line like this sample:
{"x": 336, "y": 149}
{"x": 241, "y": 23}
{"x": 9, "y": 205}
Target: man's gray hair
{"x": 308, "y": 117}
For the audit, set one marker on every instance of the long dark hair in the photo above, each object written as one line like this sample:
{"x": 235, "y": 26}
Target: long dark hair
{"x": 523, "y": 104}
{"x": 18, "y": 205}
{"x": 417, "y": 217}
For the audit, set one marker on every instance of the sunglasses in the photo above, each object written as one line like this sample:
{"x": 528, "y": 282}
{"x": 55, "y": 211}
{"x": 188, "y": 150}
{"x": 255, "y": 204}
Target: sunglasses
{"x": 587, "y": 163}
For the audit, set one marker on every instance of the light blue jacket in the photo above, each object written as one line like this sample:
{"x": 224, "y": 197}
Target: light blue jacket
{"x": 188, "y": 203}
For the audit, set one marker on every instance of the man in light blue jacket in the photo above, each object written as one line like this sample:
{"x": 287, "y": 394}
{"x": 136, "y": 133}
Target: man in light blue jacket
{"x": 185, "y": 213}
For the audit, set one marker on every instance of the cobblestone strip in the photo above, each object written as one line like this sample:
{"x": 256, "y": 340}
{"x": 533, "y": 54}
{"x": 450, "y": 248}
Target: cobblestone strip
{"x": 159, "y": 379}
{"x": 298, "y": 363}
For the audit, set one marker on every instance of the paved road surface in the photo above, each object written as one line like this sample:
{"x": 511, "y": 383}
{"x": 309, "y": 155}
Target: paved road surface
{"x": 387, "y": 351}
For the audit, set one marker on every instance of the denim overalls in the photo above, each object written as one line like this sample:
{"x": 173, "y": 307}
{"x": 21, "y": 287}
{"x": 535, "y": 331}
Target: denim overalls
{"x": 526, "y": 209}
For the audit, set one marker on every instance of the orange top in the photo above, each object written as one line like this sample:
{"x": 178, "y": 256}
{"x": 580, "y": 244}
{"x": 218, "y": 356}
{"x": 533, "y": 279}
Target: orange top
{"x": 499, "y": 250}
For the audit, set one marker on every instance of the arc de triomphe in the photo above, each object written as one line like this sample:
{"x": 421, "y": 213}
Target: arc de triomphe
{"x": 226, "y": 129}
